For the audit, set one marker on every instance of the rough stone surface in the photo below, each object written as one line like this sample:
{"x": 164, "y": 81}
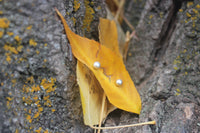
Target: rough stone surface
{"x": 38, "y": 90}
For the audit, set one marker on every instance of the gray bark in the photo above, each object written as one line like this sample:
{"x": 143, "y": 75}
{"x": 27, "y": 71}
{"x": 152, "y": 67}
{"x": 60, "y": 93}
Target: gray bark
{"x": 164, "y": 64}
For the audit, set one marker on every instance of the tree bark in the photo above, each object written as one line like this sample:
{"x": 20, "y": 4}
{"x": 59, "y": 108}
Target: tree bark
{"x": 38, "y": 88}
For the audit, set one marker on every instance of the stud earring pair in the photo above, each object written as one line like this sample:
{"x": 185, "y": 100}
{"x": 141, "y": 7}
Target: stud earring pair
{"x": 97, "y": 65}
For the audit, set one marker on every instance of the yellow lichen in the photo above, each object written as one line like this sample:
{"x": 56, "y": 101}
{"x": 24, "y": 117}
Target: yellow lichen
{"x": 8, "y": 58}
{"x": 28, "y": 50}
{"x": 8, "y": 104}
{"x": 45, "y": 60}
{"x": 29, "y": 111}
{"x": 161, "y": 14}
{"x": 17, "y": 131}
{"x": 189, "y": 15}
{"x": 99, "y": 7}
{"x": 151, "y": 16}
{"x": 32, "y": 42}
{"x": 4, "y": 23}
{"x": 53, "y": 110}
{"x": 48, "y": 103}
{"x": 186, "y": 73}
{"x": 180, "y": 10}
{"x": 194, "y": 18}
{"x": 195, "y": 11}
{"x": 48, "y": 85}
{"x": 30, "y": 79}
{"x": 40, "y": 109}
{"x": 35, "y": 88}
{"x": 38, "y": 130}
{"x": 76, "y": 5}
{"x": 17, "y": 38}
{"x": 10, "y": 48}
{"x": 35, "y": 97}
{"x": 1, "y": 34}
{"x": 37, "y": 114}
{"x": 14, "y": 82}
{"x": 45, "y": 44}
{"x": 74, "y": 20}
{"x": 27, "y": 100}
{"x": 88, "y": 16}
{"x": 46, "y": 131}
{"x": 198, "y": 6}
{"x": 10, "y": 33}
{"x": 1, "y": 12}
{"x": 185, "y": 50}
{"x": 28, "y": 118}
{"x": 19, "y": 48}
{"x": 175, "y": 68}
{"x": 8, "y": 98}
{"x": 189, "y": 4}
{"x": 29, "y": 27}
{"x": 37, "y": 52}
{"x": 46, "y": 97}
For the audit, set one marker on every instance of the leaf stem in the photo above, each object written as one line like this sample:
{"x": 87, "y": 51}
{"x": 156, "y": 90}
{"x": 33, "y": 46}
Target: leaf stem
{"x": 101, "y": 114}
{"x": 131, "y": 125}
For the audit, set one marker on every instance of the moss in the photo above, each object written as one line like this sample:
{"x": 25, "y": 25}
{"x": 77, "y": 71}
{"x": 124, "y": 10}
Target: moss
{"x": 4, "y": 23}
{"x": 88, "y": 18}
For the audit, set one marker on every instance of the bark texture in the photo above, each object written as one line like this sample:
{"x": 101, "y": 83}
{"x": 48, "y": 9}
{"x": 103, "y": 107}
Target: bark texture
{"x": 38, "y": 90}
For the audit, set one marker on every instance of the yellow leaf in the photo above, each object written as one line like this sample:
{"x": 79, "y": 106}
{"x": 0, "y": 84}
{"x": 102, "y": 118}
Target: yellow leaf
{"x": 112, "y": 68}
{"x": 91, "y": 96}
{"x": 108, "y": 35}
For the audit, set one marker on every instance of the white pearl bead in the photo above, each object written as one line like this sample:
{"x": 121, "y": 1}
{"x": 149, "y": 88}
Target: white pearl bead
{"x": 96, "y": 64}
{"x": 119, "y": 82}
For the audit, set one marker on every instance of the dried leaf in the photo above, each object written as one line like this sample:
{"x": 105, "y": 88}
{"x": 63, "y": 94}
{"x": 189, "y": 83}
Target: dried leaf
{"x": 112, "y": 68}
{"x": 91, "y": 96}
{"x": 108, "y": 35}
